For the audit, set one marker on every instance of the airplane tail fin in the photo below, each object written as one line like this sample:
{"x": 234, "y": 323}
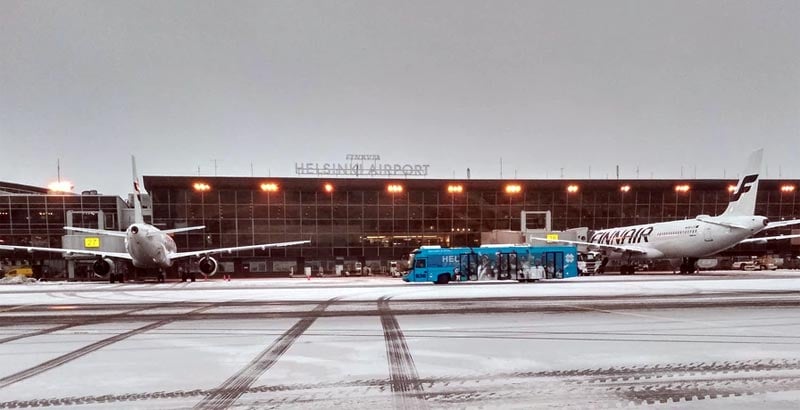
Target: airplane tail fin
{"x": 138, "y": 188}
{"x": 743, "y": 199}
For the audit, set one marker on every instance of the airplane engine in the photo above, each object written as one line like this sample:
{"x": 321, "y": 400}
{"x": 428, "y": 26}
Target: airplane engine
{"x": 208, "y": 265}
{"x": 102, "y": 266}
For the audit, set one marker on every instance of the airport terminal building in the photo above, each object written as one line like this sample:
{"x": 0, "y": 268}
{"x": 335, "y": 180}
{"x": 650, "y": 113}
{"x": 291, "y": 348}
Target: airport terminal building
{"x": 370, "y": 222}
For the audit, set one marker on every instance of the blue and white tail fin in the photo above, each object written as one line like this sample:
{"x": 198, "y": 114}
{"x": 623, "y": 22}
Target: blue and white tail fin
{"x": 138, "y": 188}
{"x": 743, "y": 199}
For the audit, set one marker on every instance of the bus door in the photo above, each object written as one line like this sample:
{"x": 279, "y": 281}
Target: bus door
{"x": 506, "y": 266}
{"x": 468, "y": 266}
{"x": 554, "y": 265}
{"x": 420, "y": 269}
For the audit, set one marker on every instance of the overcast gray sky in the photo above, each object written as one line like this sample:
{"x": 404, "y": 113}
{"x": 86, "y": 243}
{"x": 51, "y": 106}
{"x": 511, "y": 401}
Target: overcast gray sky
{"x": 545, "y": 85}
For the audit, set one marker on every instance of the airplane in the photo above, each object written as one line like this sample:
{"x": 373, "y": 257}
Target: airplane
{"x": 148, "y": 247}
{"x": 689, "y": 239}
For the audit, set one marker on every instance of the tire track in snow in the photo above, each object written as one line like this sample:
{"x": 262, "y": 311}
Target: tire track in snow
{"x": 83, "y": 351}
{"x": 89, "y": 321}
{"x": 235, "y": 386}
{"x": 404, "y": 379}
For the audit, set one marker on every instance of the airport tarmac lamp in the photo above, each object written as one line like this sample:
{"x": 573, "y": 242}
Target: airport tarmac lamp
{"x": 394, "y": 190}
{"x": 681, "y": 189}
{"x": 572, "y": 189}
{"x": 512, "y": 190}
{"x": 453, "y": 190}
{"x": 787, "y": 191}
{"x": 328, "y": 187}
{"x": 202, "y": 188}
{"x": 269, "y": 188}
{"x": 624, "y": 189}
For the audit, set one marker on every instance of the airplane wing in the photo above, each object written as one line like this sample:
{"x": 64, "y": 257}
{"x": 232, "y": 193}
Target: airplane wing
{"x": 95, "y": 231}
{"x": 778, "y": 224}
{"x": 31, "y": 249}
{"x": 179, "y": 255}
{"x": 188, "y": 228}
{"x": 636, "y": 250}
{"x": 764, "y": 239}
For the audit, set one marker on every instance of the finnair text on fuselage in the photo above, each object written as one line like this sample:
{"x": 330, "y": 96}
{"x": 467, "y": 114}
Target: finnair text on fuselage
{"x": 623, "y": 236}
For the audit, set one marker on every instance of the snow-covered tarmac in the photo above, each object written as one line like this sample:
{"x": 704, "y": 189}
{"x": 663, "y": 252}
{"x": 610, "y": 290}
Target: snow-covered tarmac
{"x": 718, "y": 340}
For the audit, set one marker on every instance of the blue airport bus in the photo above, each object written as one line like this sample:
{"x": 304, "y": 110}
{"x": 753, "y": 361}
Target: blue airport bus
{"x": 524, "y": 263}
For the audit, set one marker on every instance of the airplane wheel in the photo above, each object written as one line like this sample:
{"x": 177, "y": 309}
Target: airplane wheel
{"x": 192, "y": 276}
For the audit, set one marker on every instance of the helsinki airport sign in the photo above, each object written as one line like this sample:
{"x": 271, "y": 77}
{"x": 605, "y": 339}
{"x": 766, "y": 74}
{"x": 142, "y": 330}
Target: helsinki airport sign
{"x": 356, "y": 166}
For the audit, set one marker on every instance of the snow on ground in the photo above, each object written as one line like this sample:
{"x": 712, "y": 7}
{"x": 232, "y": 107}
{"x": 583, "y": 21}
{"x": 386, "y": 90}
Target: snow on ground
{"x": 274, "y": 353}
{"x": 320, "y": 289}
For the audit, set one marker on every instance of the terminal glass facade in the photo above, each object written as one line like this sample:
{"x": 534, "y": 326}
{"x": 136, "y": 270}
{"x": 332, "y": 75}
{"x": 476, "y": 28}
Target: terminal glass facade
{"x": 366, "y": 220}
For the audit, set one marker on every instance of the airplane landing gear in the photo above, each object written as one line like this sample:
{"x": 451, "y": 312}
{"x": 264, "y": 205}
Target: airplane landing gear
{"x": 602, "y": 268}
{"x": 688, "y": 266}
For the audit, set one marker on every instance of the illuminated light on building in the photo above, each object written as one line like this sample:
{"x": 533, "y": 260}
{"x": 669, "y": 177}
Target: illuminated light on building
{"x": 788, "y": 188}
{"x": 201, "y": 187}
{"x": 731, "y": 188}
{"x": 625, "y": 188}
{"x": 328, "y": 187}
{"x": 513, "y": 189}
{"x": 455, "y": 189}
{"x": 394, "y": 188}
{"x": 60, "y": 186}
{"x": 572, "y": 189}
{"x": 269, "y": 187}
{"x": 682, "y": 188}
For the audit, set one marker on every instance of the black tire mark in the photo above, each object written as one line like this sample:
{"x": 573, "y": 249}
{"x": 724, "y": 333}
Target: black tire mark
{"x": 439, "y": 307}
{"x": 404, "y": 378}
{"x": 89, "y": 321}
{"x": 473, "y": 389}
{"x": 235, "y": 386}
{"x": 75, "y": 354}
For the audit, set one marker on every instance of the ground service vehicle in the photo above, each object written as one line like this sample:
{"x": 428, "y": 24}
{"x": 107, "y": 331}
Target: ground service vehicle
{"x": 588, "y": 262}
{"x": 524, "y": 263}
{"x": 24, "y": 271}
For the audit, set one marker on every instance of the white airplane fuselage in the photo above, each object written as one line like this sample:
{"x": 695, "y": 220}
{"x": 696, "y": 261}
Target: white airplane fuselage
{"x": 149, "y": 246}
{"x": 693, "y": 238}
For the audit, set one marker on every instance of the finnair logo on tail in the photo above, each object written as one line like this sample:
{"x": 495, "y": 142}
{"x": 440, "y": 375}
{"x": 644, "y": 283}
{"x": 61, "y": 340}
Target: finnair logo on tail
{"x": 744, "y": 187}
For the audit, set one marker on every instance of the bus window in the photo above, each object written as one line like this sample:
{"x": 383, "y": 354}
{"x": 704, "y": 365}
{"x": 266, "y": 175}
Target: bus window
{"x": 420, "y": 263}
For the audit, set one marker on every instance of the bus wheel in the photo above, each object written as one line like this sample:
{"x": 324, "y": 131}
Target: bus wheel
{"x": 443, "y": 279}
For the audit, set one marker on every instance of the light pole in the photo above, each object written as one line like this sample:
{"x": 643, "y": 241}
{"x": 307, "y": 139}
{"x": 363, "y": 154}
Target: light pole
{"x": 453, "y": 190}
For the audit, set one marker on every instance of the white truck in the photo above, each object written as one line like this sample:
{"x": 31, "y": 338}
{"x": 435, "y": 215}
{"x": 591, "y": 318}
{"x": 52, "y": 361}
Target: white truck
{"x": 588, "y": 262}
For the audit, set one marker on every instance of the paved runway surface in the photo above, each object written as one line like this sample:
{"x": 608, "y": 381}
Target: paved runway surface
{"x": 719, "y": 340}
